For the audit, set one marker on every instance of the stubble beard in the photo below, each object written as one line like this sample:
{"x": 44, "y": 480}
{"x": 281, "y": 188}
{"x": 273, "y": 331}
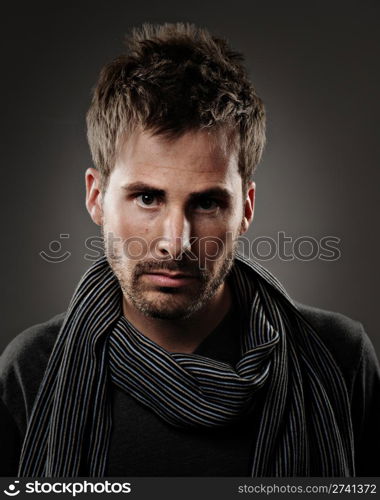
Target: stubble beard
{"x": 167, "y": 302}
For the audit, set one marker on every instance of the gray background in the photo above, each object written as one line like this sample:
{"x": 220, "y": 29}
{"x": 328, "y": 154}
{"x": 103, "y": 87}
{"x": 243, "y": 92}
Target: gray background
{"x": 316, "y": 66}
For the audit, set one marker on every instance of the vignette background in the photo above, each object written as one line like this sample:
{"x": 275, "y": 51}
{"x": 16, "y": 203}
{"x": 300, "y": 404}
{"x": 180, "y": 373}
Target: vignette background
{"x": 315, "y": 65}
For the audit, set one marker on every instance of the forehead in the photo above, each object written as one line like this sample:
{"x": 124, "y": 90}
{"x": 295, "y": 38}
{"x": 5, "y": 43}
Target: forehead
{"x": 195, "y": 157}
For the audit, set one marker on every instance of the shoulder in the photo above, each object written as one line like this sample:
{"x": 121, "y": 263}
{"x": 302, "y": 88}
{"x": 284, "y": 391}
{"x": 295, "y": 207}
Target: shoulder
{"x": 345, "y": 338}
{"x": 32, "y": 344}
{"x": 354, "y": 354}
{"x": 22, "y": 366}
{"x": 333, "y": 327}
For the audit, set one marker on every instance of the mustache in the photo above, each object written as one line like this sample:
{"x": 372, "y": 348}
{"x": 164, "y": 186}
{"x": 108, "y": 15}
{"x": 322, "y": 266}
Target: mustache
{"x": 174, "y": 266}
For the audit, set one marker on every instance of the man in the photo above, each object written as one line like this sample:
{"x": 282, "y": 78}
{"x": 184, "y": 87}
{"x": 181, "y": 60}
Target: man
{"x": 177, "y": 356}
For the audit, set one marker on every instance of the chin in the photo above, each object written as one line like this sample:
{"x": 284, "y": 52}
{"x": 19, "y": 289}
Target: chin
{"x": 167, "y": 313}
{"x": 167, "y": 308}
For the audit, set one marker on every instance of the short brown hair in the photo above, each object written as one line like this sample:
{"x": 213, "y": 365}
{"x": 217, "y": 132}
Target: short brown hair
{"x": 175, "y": 78}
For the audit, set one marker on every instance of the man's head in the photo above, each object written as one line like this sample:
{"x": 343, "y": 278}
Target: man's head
{"x": 176, "y": 130}
{"x": 173, "y": 79}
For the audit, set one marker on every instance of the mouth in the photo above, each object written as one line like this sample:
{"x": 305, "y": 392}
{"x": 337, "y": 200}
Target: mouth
{"x": 170, "y": 279}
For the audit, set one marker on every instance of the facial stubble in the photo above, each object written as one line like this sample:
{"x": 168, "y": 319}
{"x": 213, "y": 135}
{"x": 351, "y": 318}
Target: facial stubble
{"x": 168, "y": 302}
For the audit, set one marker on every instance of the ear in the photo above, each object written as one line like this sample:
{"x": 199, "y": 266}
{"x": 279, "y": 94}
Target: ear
{"x": 94, "y": 195}
{"x": 249, "y": 208}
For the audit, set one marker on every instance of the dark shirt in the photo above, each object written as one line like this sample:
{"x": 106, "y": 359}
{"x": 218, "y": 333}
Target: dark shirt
{"x": 144, "y": 445}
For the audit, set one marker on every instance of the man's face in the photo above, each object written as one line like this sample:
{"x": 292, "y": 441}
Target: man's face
{"x": 170, "y": 216}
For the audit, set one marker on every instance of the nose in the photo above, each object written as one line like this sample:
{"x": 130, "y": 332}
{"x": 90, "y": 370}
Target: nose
{"x": 174, "y": 239}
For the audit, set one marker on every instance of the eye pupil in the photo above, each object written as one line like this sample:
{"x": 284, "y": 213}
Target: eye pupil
{"x": 206, "y": 204}
{"x": 147, "y": 199}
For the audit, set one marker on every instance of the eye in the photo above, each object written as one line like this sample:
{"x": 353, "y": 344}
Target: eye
{"x": 146, "y": 199}
{"x": 207, "y": 204}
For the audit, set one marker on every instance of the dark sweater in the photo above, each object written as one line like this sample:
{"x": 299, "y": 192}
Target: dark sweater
{"x": 143, "y": 445}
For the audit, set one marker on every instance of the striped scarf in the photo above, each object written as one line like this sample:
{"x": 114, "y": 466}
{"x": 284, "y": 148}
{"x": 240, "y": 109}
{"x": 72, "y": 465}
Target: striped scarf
{"x": 305, "y": 427}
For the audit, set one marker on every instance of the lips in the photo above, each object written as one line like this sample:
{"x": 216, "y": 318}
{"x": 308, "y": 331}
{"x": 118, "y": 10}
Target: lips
{"x": 172, "y": 275}
{"x": 169, "y": 279}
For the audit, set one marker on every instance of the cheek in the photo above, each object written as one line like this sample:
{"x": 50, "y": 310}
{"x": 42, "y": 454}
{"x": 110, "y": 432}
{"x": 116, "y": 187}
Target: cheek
{"x": 128, "y": 236}
{"x": 124, "y": 221}
{"x": 222, "y": 227}
{"x": 215, "y": 242}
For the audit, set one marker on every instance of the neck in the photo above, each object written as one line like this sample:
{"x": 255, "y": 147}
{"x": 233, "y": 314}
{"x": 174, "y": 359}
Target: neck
{"x": 182, "y": 335}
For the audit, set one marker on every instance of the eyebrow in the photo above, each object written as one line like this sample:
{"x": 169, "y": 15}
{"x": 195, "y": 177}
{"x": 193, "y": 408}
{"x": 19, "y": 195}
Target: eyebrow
{"x": 218, "y": 192}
